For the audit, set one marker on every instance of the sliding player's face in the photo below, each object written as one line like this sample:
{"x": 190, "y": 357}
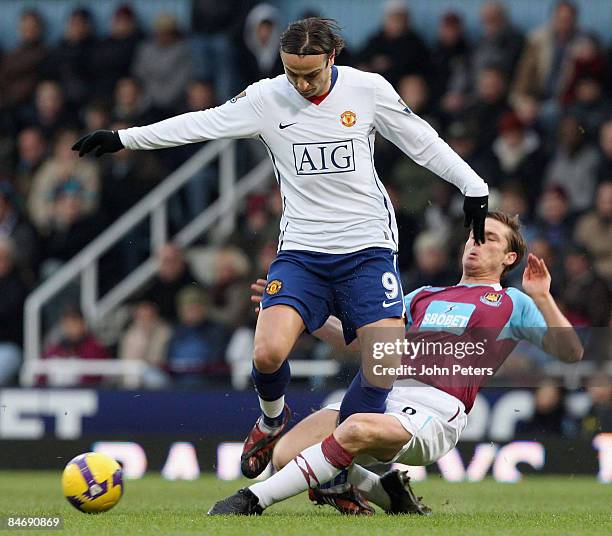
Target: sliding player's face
{"x": 310, "y": 75}
{"x": 490, "y": 258}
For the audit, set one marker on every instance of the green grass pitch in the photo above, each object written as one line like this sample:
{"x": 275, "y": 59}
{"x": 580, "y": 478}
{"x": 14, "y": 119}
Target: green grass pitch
{"x": 152, "y": 506}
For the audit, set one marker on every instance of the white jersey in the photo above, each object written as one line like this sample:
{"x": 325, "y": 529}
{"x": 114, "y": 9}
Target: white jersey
{"x": 323, "y": 155}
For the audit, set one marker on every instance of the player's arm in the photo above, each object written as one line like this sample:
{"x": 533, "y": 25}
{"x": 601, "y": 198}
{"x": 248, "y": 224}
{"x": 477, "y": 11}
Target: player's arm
{"x": 239, "y": 117}
{"x": 415, "y": 137}
{"x": 561, "y": 341}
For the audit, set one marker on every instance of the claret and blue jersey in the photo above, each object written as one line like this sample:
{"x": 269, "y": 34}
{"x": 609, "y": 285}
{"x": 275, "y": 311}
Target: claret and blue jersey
{"x": 500, "y": 316}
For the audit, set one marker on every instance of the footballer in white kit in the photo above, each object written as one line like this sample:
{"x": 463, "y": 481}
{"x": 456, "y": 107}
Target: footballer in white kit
{"x": 338, "y": 236}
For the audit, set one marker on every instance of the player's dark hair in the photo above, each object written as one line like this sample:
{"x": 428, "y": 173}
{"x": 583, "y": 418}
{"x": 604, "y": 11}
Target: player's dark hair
{"x": 314, "y": 35}
{"x": 516, "y": 241}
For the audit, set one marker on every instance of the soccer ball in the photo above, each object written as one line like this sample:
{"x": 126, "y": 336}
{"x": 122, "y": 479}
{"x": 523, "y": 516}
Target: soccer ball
{"x": 93, "y": 482}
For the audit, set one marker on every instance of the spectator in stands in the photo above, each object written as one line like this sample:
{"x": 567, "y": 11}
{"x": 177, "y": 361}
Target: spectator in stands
{"x": 173, "y": 275}
{"x": 586, "y": 60}
{"x": 433, "y": 266}
{"x": 463, "y": 136}
{"x": 540, "y": 69}
{"x": 574, "y": 165}
{"x": 71, "y": 61}
{"x": 489, "y": 105}
{"x": 414, "y": 91}
{"x": 450, "y": 58}
{"x": 113, "y": 56}
{"x": 64, "y": 165}
{"x": 49, "y": 112}
{"x": 203, "y": 186}
{"x": 590, "y": 107}
{"x": 229, "y": 292}
{"x": 70, "y": 227}
{"x": 599, "y": 418}
{"x": 146, "y": 340}
{"x": 96, "y": 115}
{"x": 586, "y": 298}
{"x": 501, "y": 43}
{"x": 554, "y": 220}
{"x": 13, "y": 226}
{"x": 131, "y": 105}
{"x": 514, "y": 201}
{"x": 197, "y": 345}
{"x": 216, "y": 25}
{"x": 604, "y": 165}
{"x": 76, "y": 341}
{"x": 259, "y": 56}
{"x": 163, "y": 64}
{"x": 20, "y": 68}
{"x": 549, "y": 415}
{"x": 31, "y": 153}
{"x": 13, "y": 291}
{"x": 519, "y": 154}
{"x": 396, "y": 49}
{"x": 594, "y": 231}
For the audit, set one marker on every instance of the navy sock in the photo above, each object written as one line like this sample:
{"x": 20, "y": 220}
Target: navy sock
{"x": 361, "y": 397}
{"x": 271, "y": 387}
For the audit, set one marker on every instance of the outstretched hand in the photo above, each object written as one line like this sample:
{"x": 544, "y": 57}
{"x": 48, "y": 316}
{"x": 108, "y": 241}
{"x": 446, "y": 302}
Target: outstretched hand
{"x": 103, "y": 141}
{"x": 536, "y": 277}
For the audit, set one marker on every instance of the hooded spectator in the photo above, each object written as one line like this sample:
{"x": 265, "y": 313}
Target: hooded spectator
{"x": 259, "y": 57}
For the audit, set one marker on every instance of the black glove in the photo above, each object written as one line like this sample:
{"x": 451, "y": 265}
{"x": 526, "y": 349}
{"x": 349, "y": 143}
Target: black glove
{"x": 104, "y": 141}
{"x": 476, "y": 209}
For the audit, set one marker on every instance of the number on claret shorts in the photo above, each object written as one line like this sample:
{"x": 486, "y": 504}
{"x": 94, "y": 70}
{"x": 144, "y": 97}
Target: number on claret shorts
{"x": 389, "y": 281}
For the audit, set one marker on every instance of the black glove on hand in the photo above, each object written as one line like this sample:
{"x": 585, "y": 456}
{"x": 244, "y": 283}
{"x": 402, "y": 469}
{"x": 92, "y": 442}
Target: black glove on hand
{"x": 476, "y": 209}
{"x": 104, "y": 141}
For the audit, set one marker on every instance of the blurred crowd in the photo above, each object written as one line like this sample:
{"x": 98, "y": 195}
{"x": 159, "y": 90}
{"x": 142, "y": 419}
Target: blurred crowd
{"x": 531, "y": 113}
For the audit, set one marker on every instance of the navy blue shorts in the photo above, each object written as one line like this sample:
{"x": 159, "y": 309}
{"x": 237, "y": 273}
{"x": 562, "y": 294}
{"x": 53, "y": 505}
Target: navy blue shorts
{"x": 359, "y": 288}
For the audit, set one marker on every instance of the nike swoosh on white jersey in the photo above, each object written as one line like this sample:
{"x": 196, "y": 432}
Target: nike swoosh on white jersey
{"x": 385, "y": 304}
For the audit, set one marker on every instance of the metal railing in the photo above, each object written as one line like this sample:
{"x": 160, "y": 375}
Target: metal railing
{"x": 85, "y": 264}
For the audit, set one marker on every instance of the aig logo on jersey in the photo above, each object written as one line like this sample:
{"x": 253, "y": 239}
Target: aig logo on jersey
{"x": 491, "y": 298}
{"x": 324, "y": 157}
{"x": 348, "y": 118}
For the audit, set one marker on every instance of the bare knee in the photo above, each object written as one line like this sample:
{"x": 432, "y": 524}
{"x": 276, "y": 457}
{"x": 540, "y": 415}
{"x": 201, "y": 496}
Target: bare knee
{"x": 268, "y": 355}
{"x": 356, "y": 433}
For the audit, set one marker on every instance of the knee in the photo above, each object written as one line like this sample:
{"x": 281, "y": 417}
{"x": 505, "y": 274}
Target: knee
{"x": 356, "y": 433}
{"x": 268, "y": 355}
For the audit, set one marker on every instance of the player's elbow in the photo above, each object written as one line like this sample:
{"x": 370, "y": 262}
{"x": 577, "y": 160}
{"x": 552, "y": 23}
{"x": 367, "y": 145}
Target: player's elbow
{"x": 575, "y": 354}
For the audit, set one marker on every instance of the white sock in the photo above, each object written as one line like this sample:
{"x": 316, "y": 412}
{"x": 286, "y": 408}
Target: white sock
{"x": 306, "y": 470}
{"x": 272, "y": 409}
{"x": 368, "y": 483}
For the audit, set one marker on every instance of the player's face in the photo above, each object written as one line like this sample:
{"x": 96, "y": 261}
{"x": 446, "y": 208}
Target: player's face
{"x": 309, "y": 75}
{"x": 490, "y": 258}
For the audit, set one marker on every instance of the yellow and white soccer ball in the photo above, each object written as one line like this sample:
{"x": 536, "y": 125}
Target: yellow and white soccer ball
{"x": 93, "y": 482}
